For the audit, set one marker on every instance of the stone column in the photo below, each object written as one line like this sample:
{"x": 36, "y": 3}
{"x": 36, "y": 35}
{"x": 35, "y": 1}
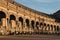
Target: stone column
{"x": 6, "y": 22}
{"x": 7, "y": 27}
{"x": 50, "y": 28}
{"x": 53, "y": 30}
{"x": 34, "y": 27}
{"x": 42, "y": 26}
{"x": 30, "y": 29}
{"x": 20, "y": 27}
{"x": 47, "y": 29}
{"x": 3, "y": 22}
{"x": 24, "y": 26}
{"x": 38, "y": 28}
{"x": 13, "y": 25}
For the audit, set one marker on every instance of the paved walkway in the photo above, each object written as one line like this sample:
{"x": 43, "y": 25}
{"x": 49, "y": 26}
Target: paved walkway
{"x": 30, "y": 37}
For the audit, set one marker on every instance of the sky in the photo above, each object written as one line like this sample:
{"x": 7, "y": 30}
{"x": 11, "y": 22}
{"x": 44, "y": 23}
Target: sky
{"x": 46, "y": 6}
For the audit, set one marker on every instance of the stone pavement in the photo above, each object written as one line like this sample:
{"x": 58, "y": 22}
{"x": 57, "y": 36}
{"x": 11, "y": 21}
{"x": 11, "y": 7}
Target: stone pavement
{"x": 30, "y": 37}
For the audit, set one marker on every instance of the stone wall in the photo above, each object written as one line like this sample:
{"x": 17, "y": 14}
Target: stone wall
{"x": 16, "y": 18}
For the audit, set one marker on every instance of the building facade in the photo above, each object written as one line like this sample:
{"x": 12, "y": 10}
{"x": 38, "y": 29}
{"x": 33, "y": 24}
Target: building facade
{"x": 17, "y": 18}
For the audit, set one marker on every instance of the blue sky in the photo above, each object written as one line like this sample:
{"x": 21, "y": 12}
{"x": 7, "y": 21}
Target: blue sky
{"x": 46, "y": 6}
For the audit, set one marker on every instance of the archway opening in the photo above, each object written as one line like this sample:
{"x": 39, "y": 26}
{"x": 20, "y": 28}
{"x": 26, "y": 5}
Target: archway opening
{"x": 21, "y": 20}
{"x": 41, "y": 24}
{"x": 57, "y": 28}
{"x": 37, "y": 25}
{"x": 2, "y": 15}
{"x": 32, "y": 24}
{"x": 54, "y": 27}
{"x": 44, "y": 24}
{"x": 12, "y": 21}
{"x": 45, "y": 27}
{"x": 12, "y": 17}
{"x": 48, "y": 27}
{"x": 51, "y": 27}
{"x": 27, "y": 22}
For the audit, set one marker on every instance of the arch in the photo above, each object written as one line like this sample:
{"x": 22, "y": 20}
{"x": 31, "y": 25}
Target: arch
{"x": 57, "y": 28}
{"x": 48, "y": 25}
{"x": 51, "y": 27}
{"x": 37, "y": 24}
{"x": 41, "y": 24}
{"x": 21, "y": 20}
{"x": 44, "y": 24}
{"x": 12, "y": 21}
{"x": 12, "y": 17}
{"x": 2, "y": 15}
{"x": 27, "y": 22}
{"x": 32, "y": 23}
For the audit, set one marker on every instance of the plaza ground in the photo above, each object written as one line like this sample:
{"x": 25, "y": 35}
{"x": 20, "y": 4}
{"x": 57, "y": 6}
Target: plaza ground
{"x": 30, "y": 37}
